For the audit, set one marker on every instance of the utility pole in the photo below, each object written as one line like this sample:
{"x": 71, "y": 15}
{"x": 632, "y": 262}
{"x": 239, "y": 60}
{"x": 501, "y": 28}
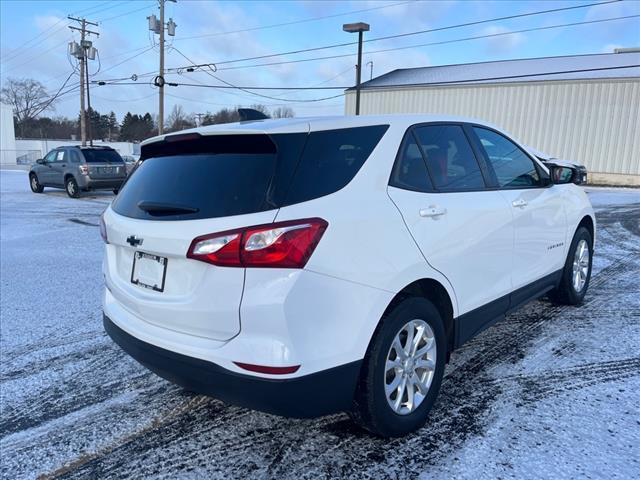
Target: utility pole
{"x": 371, "y": 74}
{"x": 199, "y": 117}
{"x": 359, "y": 27}
{"x": 158, "y": 27}
{"x": 83, "y": 52}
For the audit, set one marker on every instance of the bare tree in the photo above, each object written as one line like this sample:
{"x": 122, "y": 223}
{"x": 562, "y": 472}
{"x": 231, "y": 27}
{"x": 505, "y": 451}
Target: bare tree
{"x": 28, "y": 98}
{"x": 283, "y": 112}
{"x": 260, "y": 108}
{"x": 179, "y": 120}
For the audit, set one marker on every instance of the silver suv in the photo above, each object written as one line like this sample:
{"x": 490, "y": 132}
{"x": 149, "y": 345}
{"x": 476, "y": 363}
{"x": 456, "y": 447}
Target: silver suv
{"x": 79, "y": 169}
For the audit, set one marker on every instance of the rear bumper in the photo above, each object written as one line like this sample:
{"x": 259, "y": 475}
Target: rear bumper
{"x": 308, "y": 396}
{"x": 99, "y": 184}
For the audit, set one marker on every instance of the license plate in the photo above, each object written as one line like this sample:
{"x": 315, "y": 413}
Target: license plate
{"x": 149, "y": 271}
{"x": 106, "y": 170}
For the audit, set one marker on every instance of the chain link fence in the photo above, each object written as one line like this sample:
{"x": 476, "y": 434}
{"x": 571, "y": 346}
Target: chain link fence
{"x": 19, "y": 157}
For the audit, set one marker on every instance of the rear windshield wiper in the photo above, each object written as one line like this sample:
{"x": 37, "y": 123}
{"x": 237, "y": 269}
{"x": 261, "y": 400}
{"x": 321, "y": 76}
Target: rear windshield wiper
{"x": 159, "y": 208}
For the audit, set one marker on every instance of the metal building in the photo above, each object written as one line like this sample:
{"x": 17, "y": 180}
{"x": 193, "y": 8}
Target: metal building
{"x": 584, "y": 108}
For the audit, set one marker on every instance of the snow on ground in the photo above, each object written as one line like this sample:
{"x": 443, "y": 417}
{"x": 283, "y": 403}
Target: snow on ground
{"x": 549, "y": 392}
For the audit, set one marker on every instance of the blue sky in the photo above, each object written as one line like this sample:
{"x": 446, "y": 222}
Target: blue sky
{"x": 34, "y": 35}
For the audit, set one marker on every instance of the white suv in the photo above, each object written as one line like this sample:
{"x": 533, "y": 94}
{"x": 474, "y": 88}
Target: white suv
{"x": 310, "y": 266}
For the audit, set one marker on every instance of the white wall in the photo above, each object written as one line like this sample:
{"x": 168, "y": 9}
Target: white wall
{"x": 593, "y": 122}
{"x": 44, "y": 146}
{"x": 7, "y": 135}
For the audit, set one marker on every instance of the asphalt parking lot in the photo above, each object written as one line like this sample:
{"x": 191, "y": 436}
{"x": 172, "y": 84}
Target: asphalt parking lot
{"x": 550, "y": 392}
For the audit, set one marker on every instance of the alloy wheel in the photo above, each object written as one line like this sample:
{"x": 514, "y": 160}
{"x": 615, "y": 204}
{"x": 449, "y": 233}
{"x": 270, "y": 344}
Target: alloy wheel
{"x": 410, "y": 366}
{"x": 580, "y": 266}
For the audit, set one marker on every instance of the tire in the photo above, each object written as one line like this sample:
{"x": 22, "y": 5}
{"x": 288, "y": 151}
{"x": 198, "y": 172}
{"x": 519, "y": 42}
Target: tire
{"x": 71, "y": 187}
{"x": 35, "y": 184}
{"x": 372, "y": 407}
{"x": 569, "y": 292}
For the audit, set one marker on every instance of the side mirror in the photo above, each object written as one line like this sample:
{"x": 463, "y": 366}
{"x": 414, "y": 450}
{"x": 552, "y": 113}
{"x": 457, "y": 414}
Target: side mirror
{"x": 41, "y": 161}
{"x": 561, "y": 174}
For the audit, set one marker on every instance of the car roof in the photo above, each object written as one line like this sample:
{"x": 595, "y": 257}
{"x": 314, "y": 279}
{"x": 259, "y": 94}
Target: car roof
{"x": 86, "y": 147}
{"x": 310, "y": 124}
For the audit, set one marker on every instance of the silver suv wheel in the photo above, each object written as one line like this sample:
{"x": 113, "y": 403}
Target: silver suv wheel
{"x": 71, "y": 188}
{"x": 410, "y": 366}
{"x": 580, "y": 266}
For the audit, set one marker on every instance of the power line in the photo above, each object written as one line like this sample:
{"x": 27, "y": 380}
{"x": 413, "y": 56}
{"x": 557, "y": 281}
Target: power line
{"x": 372, "y": 52}
{"x": 293, "y": 22}
{"x": 266, "y": 104}
{"x": 126, "y": 60}
{"x": 445, "y": 82}
{"x": 240, "y": 88}
{"x": 248, "y": 89}
{"x": 146, "y": 7}
{"x": 127, "y": 100}
{"x": 48, "y": 100}
{"x": 177, "y": 84}
{"x": 53, "y": 31}
{"x": 54, "y": 97}
{"x": 505, "y": 77}
{"x": 420, "y": 32}
{"x": 443, "y": 42}
{"x": 479, "y": 22}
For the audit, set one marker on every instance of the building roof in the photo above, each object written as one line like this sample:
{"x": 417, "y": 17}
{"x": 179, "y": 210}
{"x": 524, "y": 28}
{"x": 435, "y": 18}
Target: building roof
{"x": 577, "y": 67}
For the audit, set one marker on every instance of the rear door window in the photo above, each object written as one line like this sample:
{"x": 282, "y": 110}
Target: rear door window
{"x": 450, "y": 159}
{"x": 74, "y": 156}
{"x": 331, "y": 159}
{"x": 102, "y": 156}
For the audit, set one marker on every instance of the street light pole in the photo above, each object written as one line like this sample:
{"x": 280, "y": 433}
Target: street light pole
{"x": 359, "y": 27}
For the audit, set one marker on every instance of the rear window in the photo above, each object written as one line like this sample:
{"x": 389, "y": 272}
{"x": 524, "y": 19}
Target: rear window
{"x": 102, "y": 156}
{"x": 225, "y": 175}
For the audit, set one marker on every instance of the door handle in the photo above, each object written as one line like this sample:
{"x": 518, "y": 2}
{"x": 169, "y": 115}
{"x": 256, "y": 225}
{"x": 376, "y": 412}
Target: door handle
{"x": 432, "y": 211}
{"x": 519, "y": 203}
{"x": 63, "y": 165}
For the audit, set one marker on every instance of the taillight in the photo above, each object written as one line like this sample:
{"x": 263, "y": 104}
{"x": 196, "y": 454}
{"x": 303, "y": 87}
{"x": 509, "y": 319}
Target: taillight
{"x": 275, "y": 245}
{"x": 103, "y": 229}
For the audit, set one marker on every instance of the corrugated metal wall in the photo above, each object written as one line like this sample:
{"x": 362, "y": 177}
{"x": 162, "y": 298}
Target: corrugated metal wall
{"x": 596, "y": 123}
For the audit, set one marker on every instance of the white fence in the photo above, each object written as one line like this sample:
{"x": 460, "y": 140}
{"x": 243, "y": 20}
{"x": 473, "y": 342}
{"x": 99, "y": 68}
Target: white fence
{"x": 19, "y": 157}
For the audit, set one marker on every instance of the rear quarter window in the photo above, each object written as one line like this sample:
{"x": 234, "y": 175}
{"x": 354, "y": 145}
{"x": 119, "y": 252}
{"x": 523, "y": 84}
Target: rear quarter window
{"x": 331, "y": 159}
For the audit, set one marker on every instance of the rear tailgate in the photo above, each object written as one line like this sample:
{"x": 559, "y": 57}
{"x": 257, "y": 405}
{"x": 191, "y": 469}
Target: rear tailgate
{"x": 190, "y": 296}
{"x": 182, "y": 190}
{"x": 107, "y": 171}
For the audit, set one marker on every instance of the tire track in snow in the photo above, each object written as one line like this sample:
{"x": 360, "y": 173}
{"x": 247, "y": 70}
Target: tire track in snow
{"x": 466, "y": 396}
{"x": 206, "y": 438}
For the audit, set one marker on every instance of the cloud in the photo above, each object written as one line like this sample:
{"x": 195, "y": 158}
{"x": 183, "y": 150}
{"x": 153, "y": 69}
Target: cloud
{"x": 502, "y": 44}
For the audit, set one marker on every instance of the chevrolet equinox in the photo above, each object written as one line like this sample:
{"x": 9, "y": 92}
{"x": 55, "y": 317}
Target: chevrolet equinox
{"x": 309, "y": 266}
